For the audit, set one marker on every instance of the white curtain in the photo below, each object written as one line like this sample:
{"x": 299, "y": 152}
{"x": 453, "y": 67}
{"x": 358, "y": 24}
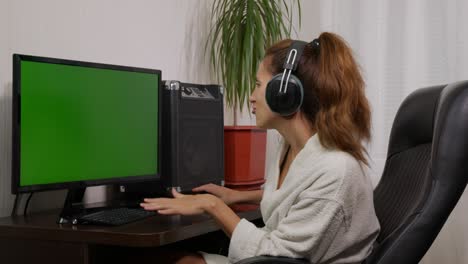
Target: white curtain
{"x": 404, "y": 45}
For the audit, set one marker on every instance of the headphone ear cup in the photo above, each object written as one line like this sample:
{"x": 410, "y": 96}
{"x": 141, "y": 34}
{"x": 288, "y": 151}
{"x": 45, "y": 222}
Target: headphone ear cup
{"x": 272, "y": 92}
{"x": 287, "y": 103}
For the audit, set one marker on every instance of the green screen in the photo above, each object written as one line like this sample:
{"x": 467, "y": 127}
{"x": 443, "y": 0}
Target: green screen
{"x": 82, "y": 123}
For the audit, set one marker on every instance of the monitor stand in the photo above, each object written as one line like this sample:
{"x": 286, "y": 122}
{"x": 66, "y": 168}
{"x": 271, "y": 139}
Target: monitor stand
{"x": 71, "y": 206}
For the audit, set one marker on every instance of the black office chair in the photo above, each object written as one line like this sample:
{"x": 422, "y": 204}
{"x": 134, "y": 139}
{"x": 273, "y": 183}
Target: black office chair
{"x": 425, "y": 174}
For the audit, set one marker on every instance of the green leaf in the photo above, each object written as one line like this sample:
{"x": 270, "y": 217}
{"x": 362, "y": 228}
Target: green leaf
{"x": 241, "y": 31}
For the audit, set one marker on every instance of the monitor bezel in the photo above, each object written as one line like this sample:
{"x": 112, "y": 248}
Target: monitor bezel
{"x": 16, "y": 128}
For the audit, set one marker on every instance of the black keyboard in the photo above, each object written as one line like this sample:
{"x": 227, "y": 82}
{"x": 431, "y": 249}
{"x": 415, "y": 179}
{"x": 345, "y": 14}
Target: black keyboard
{"x": 114, "y": 217}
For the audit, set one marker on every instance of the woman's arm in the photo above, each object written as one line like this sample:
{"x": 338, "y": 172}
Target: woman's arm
{"x": 305, "y": 232}
{"x": 254, "y": 197}
{"x": 223, "y": 214}
{"x": 193, "y": 205}
{"x": 230, "y": 196}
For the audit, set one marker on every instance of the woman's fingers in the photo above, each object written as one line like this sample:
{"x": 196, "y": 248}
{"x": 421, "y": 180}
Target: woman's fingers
{"x": 202, "y": 188}
{"x": 209, "y": 188}
{"x": 198, "y": 189}
{"x": 150, "y": 206}
{"x": 168, "y": 211}
{"x": 156, "y": 204}
{"x": 156, "y": 200}
{"x": 176, "y": 194}
{"x": 180, "y": 204}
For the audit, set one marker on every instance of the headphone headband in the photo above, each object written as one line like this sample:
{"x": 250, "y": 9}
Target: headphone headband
{"x": 296, "y": 47}
{"x": 292, "y": 60}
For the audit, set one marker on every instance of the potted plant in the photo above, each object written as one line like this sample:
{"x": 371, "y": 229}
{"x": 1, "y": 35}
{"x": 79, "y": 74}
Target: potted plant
{"x": 241, "y": 31}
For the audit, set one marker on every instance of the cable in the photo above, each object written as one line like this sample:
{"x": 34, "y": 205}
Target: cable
{"x": 27, "y": 203}
{"x": 15, "y": 205}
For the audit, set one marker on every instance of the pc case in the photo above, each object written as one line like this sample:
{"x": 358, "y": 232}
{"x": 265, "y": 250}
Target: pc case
{"x": 192, "y": 135}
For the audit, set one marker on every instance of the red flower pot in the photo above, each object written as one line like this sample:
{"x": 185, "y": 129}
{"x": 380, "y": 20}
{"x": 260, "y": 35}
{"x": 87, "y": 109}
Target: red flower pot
{"x": 244, "y": 156}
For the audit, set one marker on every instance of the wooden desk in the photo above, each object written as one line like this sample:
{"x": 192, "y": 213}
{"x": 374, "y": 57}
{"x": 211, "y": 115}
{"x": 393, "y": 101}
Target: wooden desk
{"x": 37, "y": 238}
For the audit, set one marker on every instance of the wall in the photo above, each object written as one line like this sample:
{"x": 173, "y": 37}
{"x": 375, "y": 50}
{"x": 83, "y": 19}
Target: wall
{"x": 166, "y": 35}
{"x": 5, "y": 119}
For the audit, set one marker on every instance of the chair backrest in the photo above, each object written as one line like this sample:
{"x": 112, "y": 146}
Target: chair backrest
{"x": 425, "y": 173}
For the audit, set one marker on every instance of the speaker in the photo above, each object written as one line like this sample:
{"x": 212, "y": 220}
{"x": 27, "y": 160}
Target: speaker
{"x": 192, "y": 135}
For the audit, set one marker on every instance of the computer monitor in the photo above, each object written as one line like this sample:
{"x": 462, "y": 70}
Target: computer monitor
{"x": 79, "y": 124}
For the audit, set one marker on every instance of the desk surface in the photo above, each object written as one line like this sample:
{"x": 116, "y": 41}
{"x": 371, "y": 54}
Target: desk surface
{"x": 154, "y": 231}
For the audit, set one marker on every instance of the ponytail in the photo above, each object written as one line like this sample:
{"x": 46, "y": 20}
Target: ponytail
{"x": 334, "y": 97}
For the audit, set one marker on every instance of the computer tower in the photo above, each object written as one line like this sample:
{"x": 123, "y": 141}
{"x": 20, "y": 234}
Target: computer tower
{"x": 192, "y": 135}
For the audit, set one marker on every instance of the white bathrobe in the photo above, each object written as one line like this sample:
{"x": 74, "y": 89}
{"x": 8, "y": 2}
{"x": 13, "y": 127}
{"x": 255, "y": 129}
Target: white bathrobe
{"x": 323, "y": 211}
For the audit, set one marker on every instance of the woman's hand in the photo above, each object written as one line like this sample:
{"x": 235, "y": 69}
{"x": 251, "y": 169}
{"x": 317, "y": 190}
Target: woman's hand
{"x": 195, "y": 204}
{"x": 180, "y": 204}
{"x": 228, "y": 196}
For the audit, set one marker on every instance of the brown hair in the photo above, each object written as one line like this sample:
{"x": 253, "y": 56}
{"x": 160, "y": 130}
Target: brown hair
{"x": 334, "y": 98}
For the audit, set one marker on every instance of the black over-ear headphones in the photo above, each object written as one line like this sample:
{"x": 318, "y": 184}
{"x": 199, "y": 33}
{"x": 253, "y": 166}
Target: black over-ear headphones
{"x": 284, "y": 92}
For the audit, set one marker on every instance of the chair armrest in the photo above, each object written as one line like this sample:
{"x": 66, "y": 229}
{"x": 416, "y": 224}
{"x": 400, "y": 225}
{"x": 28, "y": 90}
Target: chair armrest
{"x": 272, "y": 260}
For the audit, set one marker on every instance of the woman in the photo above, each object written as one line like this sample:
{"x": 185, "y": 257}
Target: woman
{"x": 317, "y": 200}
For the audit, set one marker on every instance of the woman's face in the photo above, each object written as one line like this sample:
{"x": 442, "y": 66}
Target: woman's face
{"x": 263, "y": 115}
